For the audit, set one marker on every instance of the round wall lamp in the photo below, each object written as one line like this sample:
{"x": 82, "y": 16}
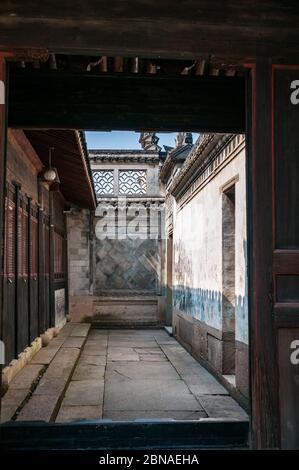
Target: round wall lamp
{"x": 50, "y": 174}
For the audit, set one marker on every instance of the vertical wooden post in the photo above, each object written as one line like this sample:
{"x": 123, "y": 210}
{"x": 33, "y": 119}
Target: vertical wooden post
{"x": 264, "y": 375}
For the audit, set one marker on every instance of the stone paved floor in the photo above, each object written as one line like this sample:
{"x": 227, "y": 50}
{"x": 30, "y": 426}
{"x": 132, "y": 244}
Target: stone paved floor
{"x": 116, "y": 375}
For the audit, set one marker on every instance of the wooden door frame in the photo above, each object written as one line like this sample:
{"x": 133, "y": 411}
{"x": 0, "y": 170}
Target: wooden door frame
{"x": 263, "y": 373}
{"x": 262, "y": 341}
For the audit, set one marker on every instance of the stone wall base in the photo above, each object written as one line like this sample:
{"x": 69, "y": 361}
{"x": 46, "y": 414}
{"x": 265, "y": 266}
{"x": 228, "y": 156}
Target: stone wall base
{"x": 126, "y": 311}
{"x": 214, "y": 348}
{"x": 242, "y": 368}
{"x": 81, "y": 308}
{"x": 118, "y": 311}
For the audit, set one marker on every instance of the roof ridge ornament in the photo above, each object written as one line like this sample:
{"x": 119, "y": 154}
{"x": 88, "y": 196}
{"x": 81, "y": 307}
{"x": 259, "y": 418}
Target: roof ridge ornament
{"x": 149, "y": 141}
{"x": 184, "y": 138}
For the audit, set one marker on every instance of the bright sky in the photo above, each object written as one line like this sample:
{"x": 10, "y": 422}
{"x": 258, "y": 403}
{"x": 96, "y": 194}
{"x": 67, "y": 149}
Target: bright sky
{"x": 125, "y": 140}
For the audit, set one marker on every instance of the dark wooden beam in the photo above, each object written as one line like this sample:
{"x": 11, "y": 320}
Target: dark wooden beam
{"x": 153, "y": 29}
{"x": 94, "y": 101}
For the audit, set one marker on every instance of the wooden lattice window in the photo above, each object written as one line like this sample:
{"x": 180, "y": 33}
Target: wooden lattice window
{"x": 132, "y": 182}
{"x": 103, "y": 182}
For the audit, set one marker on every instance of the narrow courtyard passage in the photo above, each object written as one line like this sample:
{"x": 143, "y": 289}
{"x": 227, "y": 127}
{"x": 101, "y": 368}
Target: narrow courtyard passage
{"x": 118, "y": 375}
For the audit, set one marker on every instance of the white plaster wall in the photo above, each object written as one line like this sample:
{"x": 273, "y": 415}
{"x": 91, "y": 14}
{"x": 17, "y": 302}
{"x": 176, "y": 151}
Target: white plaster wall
{"x": 198, "y": 252}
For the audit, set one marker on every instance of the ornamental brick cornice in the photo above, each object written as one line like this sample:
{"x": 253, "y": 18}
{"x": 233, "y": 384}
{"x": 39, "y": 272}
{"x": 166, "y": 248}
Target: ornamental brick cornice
{"x": 175, "y": 156}
{"x": 128, "y": 156}
{"x": 166, "y": 168}
{"x": 203, "y": 152}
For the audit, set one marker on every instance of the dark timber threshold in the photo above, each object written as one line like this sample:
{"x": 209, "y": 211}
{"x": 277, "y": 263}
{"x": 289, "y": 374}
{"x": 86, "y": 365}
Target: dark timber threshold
{"x": 107, "y": 435}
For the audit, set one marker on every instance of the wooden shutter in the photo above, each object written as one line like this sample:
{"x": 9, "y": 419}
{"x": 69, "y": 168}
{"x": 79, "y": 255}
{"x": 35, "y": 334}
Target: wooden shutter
{"x": 34, "y": 243}
{"x": 58, "y": 256}
{"x": 46, "y": 247}
{"x": 10, "y": 238}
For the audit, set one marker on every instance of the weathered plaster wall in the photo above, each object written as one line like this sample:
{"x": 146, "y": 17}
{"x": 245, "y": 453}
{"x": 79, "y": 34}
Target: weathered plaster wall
{"x": 198, "y": 271}
{"x": 198, "y": 252}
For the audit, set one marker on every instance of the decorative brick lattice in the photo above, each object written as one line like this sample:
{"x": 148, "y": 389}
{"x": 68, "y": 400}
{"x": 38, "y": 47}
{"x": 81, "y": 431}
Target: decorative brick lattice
{"x": 103, "y": 182}
{"x": 132, "y": 182}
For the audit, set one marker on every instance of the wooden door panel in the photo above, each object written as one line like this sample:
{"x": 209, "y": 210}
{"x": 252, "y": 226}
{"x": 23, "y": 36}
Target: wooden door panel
{"x": 285, "y": 167}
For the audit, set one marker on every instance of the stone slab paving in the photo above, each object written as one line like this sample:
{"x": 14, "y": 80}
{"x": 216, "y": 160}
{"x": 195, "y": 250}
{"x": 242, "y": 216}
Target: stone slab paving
{"x": 83, "y": 398}
{"x": 74, "y": 342}
{"x": 92, "y": 350}
{"x": 122, "y": 354}
{"x": 80, "y": 330}
{"x": 26, "y": 377}
{"x": 198, "y": 379}
{"x": 38, "y": 408}
{"x": 86, "y": 372}
{"x": 222, "y": 407}
{"x": 78, "y": 413}
{"x": 160, "y": 371}
{"x": 120, "y": 375}
{"x": 45, "y": 355}
{"x": 51, "y": 387}
{"x": 41, "y": 383}
{"x": 11, "y": 401}
{"x": 92, "y": 360}
{"x": 132, "y": 343}
{"x": 84, "y": 392}
{"x": 152, "y": 357}
{"x": 152, "y": 395}
{"x": 63, "y": 363}
{"x": 153, "y": 415}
